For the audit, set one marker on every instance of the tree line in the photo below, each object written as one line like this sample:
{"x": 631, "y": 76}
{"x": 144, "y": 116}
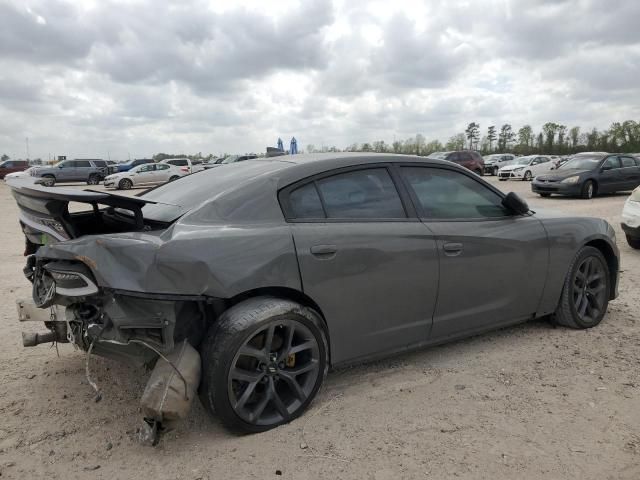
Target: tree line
{"x": 552, "y": 139}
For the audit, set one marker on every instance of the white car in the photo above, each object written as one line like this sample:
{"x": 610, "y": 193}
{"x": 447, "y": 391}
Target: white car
{"x": 185, "y": 164}
{"x": 493, "y": 162}
{"x": 526, "y": 168}
{"x": 631, "y": 219}
{"x": 144, "y": 175}
{"x": 23, "y": 174}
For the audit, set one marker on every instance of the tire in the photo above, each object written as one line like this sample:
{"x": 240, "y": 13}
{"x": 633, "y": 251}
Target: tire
{"x": 588, "y": 190}
{"x": 174, "y": 178}
{"x": 49, "y": 180}
{"x": 527, "y": 176}
{"x": 579, "y": 293}
{"x": 125, "y": 184}
{"x": 93, "y": 180}
{"x": 634, "y": 242}
{"x": 545, "y": 195}
{"x": 502, "y": 179}
{"x": 252, "y": 379}
{"x": 495, "y": 171}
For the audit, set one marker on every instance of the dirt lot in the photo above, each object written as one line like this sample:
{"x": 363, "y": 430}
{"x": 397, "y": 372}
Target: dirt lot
{"x": 525, "y": 402}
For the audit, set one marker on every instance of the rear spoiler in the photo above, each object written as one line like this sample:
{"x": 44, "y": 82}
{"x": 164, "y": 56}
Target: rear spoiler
{"x": 38, "y": 200}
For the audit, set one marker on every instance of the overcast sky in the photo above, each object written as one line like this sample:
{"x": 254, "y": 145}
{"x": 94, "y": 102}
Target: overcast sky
{"x": 92, "y": 78}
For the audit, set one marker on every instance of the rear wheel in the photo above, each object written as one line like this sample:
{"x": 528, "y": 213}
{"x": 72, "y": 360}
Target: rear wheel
{"x": 263, "y": 363}
{"x": 545, "y": 195}
{"x": 527, "y": 176}
{"x": 634, "y": 242}
{"x": 588, "y": 189}
{"x": 174, "y": 178}
{"x": 93, "y": 180}
{"x": 48, "y": 180}
{"x": 125, "y": 184}
{"x": 585, "y": 294}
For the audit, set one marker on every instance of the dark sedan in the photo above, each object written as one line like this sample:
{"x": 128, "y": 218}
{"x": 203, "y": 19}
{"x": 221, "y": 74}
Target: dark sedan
{"x": 269, "y": 272}
{"x": 588, "y": 175}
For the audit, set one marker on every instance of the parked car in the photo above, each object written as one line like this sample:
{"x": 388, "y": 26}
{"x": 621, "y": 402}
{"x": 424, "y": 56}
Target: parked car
{"x": 143, "y": 175}
{"x": 19, "y": 174}
{"x": 230, "y": 159}
{"x": 91, "y": 171}
{"x": 12, "y": 166}
{"x": 123, "y": 167}
{"x": 525, "y": 168}
{"x": 631, "y": 219}
{"x": 186, "y": 165}
{"x": 588, "y": 175}
{"x": 255, "y": 272}
{"x": 466, "y": 158}
{"x": 492, "y": 163}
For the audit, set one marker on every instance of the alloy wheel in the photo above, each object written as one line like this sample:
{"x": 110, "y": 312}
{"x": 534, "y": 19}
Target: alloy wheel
{"x": 589, "y": 289}
{"x": 273, "y": 373}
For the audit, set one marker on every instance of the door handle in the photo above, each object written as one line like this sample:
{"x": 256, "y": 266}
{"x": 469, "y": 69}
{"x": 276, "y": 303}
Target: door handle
{"x": 324, "y": 250}
{"x": 452, "y": 249}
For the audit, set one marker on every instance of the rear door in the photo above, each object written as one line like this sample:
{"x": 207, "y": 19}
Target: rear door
{"x": 493, "y": 264}
{"x": 81, "y": 170}
{"x": 371, "y": 266}
{"x": 629, "y": 172}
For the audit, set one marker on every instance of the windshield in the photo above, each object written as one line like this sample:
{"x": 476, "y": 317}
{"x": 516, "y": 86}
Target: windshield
{"x": 4, "y": 164}
{"x": 230, "y": 159}
{"x": 523, "y": 161}
{"x": 178, "y": 197}
{"x": 581, "y": 163}
{"x": 439, "y": 155}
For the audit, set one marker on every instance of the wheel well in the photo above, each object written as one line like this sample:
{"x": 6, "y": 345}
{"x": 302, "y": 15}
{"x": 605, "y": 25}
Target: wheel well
{"x": 285, "y": 293}
{"x": 595, "y": 185}
{"x": 610, "y": 257}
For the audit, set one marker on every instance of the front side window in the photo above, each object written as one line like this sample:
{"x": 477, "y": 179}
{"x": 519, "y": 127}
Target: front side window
{"x": 146, "y": 168}
{"x": 611, "y": 163}
{"x": 359, "y": 194}
{"x": 446, "y": 194}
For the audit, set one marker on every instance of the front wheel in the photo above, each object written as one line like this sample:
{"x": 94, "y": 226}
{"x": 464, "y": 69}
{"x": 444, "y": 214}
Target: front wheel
{"x": 48, "y": 180}
{"x": 588, "y": 190}
{"x": 585, "y": 294}
{"x": 634, "y": 242}
{"x": 495, "y": 171}
{"x": 263, "y": 363}
{"x": 125, "y": 184}
{"x": 527, "y": 176}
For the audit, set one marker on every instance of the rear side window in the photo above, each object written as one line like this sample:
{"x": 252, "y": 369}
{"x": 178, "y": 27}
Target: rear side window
{"x": 178, "y": 163}
{"x": 82, "y": 163}
{"x": 162, "y": 166}
{"x": 100, "y": 163}
{"x": 305, "y": 202}
{"x": 627, "y": 162}
{"x": 446, "y": 194}
{"x": 360, "y": 194}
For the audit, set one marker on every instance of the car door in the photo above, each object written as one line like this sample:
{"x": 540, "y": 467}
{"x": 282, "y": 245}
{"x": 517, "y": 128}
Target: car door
{"x": 609, "y": 178}
{"x": 629, "y": 172}
{"x": 493, "y": 263}
{"x": 163, "y": 173}
{"x": 543, "y": 165}
{"x": 370, "y": 266}
{"x": 81, "y": 170}
{"x": 145, "y": 174}
{"x": 66, "y": 171}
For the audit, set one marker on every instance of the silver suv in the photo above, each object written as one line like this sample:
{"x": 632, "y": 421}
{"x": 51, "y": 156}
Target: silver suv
{"x": 493, "y": 163}
{"x": 91, "y": 171}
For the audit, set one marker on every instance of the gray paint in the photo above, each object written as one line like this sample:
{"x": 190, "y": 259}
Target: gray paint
{"x": 388, "y": 287}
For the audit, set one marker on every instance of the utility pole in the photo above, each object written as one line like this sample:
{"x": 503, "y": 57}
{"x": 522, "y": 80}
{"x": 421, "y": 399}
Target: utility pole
{"x": 27, "y": 143}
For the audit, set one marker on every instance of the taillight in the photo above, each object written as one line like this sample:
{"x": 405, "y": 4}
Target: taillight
{"x": 184, "y": 169}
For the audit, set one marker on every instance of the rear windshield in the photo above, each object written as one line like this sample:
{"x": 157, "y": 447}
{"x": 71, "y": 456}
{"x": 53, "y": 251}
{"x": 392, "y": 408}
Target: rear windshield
{"x": 178, "y": 197}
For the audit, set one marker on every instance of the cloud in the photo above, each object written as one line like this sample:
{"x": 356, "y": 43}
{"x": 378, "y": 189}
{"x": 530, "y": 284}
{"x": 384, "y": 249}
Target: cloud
{"x": 132, "y": 78}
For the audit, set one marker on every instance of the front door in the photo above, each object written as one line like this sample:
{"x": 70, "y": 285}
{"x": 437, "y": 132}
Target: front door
{"x": 493, "y": 264}
{"x": 610, "y": 179}
{"x": 372, "y": 270}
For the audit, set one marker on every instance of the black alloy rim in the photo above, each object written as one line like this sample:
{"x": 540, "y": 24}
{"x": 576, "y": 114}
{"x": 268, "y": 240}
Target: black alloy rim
{"x": 273, "y": 373}
{"x": 589, "y": 289}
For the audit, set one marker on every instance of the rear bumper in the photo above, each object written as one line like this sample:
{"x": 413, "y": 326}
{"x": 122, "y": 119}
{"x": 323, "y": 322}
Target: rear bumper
{"x": 558, "y": 188}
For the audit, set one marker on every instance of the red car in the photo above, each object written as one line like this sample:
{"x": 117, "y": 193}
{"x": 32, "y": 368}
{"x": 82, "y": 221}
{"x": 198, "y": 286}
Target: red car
{"x": 465, "y": 158}
{"x": 11, "y": 166}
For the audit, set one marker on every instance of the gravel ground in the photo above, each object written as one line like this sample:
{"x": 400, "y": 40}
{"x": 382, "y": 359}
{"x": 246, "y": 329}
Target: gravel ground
{"x": 523, "y": 402}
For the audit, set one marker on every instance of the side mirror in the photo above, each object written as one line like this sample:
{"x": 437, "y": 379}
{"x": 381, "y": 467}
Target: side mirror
{"x": 605, "y": 167}
{"x": 515, "y": 203}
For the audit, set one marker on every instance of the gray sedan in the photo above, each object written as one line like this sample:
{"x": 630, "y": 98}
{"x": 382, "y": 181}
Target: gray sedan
{"x": 269, "y": 272}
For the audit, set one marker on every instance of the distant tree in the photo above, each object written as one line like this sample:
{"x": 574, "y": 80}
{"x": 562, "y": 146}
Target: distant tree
{"x": 540, "y": 143}
{"x": 396, "y": 146}
{"x": 574, "y": 136}
{"x": 491, "y": 136}
{"x": 525, "y": 139}
{"x": 549, "y": 129}
{"x": 456, "y": 142}
{"x": 379, "y": 146}
{"x": 352, "y": 148}
{"x": 592, "y": 139}
{"x": 562, "y": 132}
{"x": 505, "y": 137}
{"x": 366, "y": 147}
{"x": 433, "y": 146}
{"x": 409, "y": 146}
{"x": 473, "y": 134}
{"x": 4, "y": 157}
